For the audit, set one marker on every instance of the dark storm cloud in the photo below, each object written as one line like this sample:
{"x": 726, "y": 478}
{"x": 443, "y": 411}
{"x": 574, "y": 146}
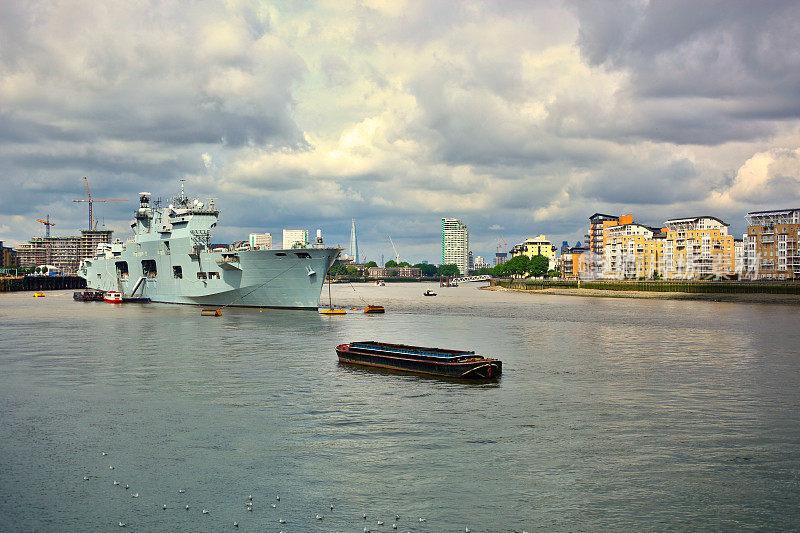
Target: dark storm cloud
{"x": 736, "y": 60}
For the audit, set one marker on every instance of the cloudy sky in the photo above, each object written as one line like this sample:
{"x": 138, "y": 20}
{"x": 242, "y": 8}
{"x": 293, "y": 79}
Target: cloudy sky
{"x": 517, "y": 117}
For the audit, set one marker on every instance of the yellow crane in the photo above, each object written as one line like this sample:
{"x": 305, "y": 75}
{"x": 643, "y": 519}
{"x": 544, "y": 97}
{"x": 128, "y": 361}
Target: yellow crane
{"x": 47, "y": 225}
{"x": 91, "y": 200}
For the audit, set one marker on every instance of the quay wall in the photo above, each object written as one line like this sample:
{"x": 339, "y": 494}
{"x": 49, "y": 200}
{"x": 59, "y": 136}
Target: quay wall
{"x": 704, "y": 287}
{"x": 41, "y": 283}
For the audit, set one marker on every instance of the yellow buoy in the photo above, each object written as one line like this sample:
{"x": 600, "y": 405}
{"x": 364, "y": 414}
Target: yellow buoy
{"x": 332, "y": 311}
{"x": 38, "y": 295}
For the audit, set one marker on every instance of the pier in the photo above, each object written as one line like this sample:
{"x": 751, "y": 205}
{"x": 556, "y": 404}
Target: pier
{"x": 41, "y": 283}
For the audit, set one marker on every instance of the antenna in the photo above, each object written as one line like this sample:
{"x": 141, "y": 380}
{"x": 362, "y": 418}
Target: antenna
{"x": 182, "y": 195}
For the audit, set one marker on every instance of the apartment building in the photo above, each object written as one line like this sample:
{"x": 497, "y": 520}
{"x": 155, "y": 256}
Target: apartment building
{"x": 455, "y": 244}
{"x": 295, "y": 238}
{"x": 698, "y": 247}
{"x": 538, "y": 245}
{"x": 771, "y": 244}
{"x": 631, "y": 251}
{"x": 64, "y": 253}
{"x": 570, "y": 262}
{"x": 261, "y": 241}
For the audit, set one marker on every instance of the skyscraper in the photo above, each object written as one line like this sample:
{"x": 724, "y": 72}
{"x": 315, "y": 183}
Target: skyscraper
{"x": 353, "y": 241}
{"x": 455, "y": 244}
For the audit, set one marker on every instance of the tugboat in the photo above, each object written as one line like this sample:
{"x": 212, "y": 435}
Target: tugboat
{"x": 421, "y": 360}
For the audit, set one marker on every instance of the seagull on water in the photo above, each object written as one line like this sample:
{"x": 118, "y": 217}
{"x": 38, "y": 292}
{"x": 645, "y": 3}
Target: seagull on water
{"x": 205, "y": 512}
{"x": 281, "y": 521}
{"x": 116, "y": 482}
{"x": 250, "y": 497}
{"x": 181, "y": 491}
{"x": 365, "y": 516}
{"x": 319, "y": 517}
{"x": 278, "y": 497}
{"x": 104, "y": 453}
{"x": 187, "y": 507}
{"x": 135, "y": 495}
{"x": 250, "y": 509}
{"x": 467, "y": 530}
{"x": 111, "y": 467}
{"x": 164, "y": 507}
{"x": 274, "y": 506}
{"x": 397, "y": 517}
{"x": 127, "y": 486}
{"x": 394, "y": 526}
{"x": 421, "y": 519}
{"x": 380, "y": 522}
{"x": 122, "y": 524}
{"x": 236, "y": 524}
{"x": 331, "y": 507}
{"x": 86, "y": 478}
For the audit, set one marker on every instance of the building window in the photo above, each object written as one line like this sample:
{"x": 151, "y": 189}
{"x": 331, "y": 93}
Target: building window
{"x": 177, "y": 272}
{"x": 201, "y": 275}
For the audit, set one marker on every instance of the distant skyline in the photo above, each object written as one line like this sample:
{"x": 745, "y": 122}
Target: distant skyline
{"x": 518, "y": 118}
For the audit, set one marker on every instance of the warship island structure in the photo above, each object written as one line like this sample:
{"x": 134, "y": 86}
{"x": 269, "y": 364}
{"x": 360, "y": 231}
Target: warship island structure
{"x": 170, "y": 260}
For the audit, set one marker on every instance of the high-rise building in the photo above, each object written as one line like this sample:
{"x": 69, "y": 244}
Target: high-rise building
{"x": 455, "y": 244}
{"x": 295, "y": 238}
{"x": 8, "y": 257}
{"x": 261, "y": 241}
{"x": 353, "y": 241}
{"x": 772, "y": 245}
{"x": 597, "y": 223}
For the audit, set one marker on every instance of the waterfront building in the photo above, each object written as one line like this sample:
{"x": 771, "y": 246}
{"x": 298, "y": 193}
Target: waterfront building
{"x": 480, "y": 263}
{"x": 631, "y": 251}
{"x": 261, "y": 241}
{"x": 538, "y": 245}
{"x": 570, "y": 262}
{"x": 65, "y": 253}
{"x": 455, "y": 244}
{"x": 295, "y": 238}
{"x": 597, "y": 223}
{"x": 771, "y": 245}
{"x": 698, "y": 247}
{"x": 500, "y": 258}
{"x": 8, "y": 257}
{"x": 738, "y": 255}
{"x": 400, "y": 272}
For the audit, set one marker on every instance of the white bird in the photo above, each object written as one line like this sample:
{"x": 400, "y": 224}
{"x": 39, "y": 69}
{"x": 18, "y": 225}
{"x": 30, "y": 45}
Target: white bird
{"x": 365, "y": 516}
{"x": 250, "y": 509}
{"x": 187, "y": 507}
{"x": 86, "y": 478}
{"x": 331, "y": 507}
{"x": 278, "y": 498}
{"x": 116, "y": 482}
{"x": 122, "y": 524}
{"x": 135, "y": 495}
{"x": 111, "y": 467}
{"x": 181, "y": 491}
{"x": 366, "y": 530}
{"x": 164, "y": 507}
{"x": 397, "y": 517}
{"x": 250, "y": 497}
{"x": 421, "y": 519}
{"x": 274, "y": 506}
{"x": 281, "y": 521}
{"x": 127, "y": 486}
{"x": 394, "y": 526}
{"x": 205, "y": 512}
{"x": 104, "y": 453}
{"x": 380, "y": 523}
{"x": 467, "y": 530}
{"x": 236, "y": 524}
{"x": 319, "y": 517}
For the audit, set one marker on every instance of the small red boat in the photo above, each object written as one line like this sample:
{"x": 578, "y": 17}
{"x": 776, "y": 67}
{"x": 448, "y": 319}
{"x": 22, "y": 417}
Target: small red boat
{"x": 419, "y": 359}
{"x": 113, "y": 297}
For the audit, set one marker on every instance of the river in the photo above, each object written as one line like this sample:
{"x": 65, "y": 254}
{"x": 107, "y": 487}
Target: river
{"x": 611, "y": 414}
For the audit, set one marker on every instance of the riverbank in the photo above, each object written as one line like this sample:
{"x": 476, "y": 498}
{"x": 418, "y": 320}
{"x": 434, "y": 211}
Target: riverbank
{"x": 711, "y": 297}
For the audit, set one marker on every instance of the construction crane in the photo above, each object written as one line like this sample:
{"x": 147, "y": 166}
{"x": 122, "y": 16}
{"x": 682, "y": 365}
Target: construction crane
{"x": 396, "y": 255}
{"x": 47, "y": 225}
{"x": 505, "y": 245}
{"x": 91, "y": 200}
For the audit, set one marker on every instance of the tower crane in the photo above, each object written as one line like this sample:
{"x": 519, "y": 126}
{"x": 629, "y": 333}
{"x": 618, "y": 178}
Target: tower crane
{"x": 396, "y": 255}
{"x": 47, "y": 225}
{"x": 91, "y": 200}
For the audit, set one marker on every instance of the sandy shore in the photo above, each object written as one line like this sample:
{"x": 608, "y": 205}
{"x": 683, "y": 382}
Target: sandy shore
{"x": 711, "y": 297}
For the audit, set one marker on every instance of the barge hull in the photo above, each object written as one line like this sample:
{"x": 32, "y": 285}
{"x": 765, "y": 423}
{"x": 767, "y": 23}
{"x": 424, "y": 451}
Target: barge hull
{"x": 477, "y": 369}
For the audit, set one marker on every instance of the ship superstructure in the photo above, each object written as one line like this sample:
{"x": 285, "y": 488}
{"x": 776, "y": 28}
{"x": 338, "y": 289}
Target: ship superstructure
{"x": 170, "y": 260}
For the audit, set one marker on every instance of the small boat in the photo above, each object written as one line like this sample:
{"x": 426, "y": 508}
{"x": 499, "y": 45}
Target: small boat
{"x": 421, "y": 360}
{"x": 374, "y": 309}
{"x": 113, "y": 297}
{"x": 38, "y": 295}
{"x": 332, "y": 311}
{"x": 429, "y": 293}
{"x": 380, "y": 283}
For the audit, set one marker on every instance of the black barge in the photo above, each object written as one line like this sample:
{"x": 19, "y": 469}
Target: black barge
{"x": 432, "y": 361}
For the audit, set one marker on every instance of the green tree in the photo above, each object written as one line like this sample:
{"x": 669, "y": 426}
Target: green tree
{"x": 426, "y": 269}
{"x": 539, "y": 265}
{"x": 404, "y": 264}
{"x": 448, "y": 270}
{"x": 552, "y": 273}
{"x": 338, "y": 269}
{"x": 518, "y": 265}
{"x": 391, "y": 263}
{"x": 370, "y": 264}
{"x": 483, "y": 271}
{"x": 351, "y": 270}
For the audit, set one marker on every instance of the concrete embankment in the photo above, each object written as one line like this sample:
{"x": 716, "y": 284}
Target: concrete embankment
{"x": 752, "y": 292}
{"x": 41, "y": 283}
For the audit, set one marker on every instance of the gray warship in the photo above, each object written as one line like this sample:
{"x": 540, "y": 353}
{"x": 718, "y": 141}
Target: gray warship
{"x": 170, "y": 259}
